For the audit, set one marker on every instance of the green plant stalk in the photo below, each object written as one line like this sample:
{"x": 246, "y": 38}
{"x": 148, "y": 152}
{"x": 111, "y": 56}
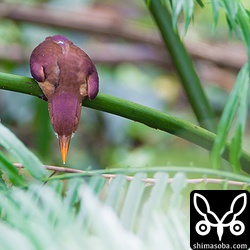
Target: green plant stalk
{"x": 184, "y": 65}
{"x": 133, "y": 111}
{"x": 159, "y": 120}
{"x": 20, "y": 84}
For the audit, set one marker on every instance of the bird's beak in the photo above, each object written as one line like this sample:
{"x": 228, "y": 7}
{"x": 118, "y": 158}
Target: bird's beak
{"x": 64, "y": 146}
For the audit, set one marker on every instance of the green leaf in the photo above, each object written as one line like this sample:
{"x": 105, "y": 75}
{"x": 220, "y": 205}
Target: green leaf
{"x": 177, "y": 6}
{"x": 115, "y": 194}
{"x": 236, "y": 142}
{"x": 71, "y": 197}
{"x": 12, "y": 144}
{"x": 132, "y": 201}
{"x": 154, "y": 201}
{"x": 178, "y": 184}
{"x": 8, "y": 232}
{"x": 57, "y": 186}
{"x": 243, "y": 20}
{"x": 188, "y": 9}
{"x": 12, "y": 172}
{"x": 3, "y": 185}
{"x": 200, "y": 3}
{"x": 97, "y": 183}
{"x": 235, "y": 149}
{"x": 229, "y": 113}
{"x": 215, "y": 8}
{"x": 231, "y": 8}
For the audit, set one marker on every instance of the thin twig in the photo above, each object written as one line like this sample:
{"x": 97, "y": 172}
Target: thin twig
{"x": 146, "y": 180}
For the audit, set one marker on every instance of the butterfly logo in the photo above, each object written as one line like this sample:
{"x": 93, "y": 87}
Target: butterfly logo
{"x": 203, "y": 227}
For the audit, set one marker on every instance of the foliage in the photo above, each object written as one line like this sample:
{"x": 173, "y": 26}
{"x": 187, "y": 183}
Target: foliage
{"x": 42, "y": 218}
{"x": 238, "y": 19}
{"x": 134, "y": 214}
{"x": 22, "y": 155}
{"x": 237, "y": 104}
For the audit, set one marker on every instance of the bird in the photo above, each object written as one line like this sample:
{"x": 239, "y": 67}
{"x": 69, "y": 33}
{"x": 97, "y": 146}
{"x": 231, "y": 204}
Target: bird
{"x": 66, "y": 75}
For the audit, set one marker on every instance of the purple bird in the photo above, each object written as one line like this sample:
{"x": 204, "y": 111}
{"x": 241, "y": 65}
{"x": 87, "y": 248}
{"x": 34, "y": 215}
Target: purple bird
{"x": 66, "y": 76}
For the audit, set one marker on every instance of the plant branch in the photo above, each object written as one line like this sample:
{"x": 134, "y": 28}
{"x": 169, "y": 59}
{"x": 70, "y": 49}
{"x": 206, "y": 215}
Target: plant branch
{"x": 20, "y": 84}
{"x": 184, "y": 65}
{"x": 164, "y": 169}
{"x": 146, "y": 180}
{"x": 133, "y": 111}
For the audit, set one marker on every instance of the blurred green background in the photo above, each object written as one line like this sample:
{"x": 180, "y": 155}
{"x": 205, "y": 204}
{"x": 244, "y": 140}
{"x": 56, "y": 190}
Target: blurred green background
{"x": 132, "y": 63}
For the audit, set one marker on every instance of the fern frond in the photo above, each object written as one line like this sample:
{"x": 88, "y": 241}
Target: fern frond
{"x": 237, "y": 106}
{"x": 18, "y": 150}
{"x": 119, "y": 214}
{"x": 46, "y": 217}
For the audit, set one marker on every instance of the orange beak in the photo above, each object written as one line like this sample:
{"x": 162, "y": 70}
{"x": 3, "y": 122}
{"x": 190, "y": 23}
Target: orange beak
{"x": 64, "y": 142}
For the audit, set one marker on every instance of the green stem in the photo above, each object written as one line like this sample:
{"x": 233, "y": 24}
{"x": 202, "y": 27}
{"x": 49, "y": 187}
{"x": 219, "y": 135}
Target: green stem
{"x": 133, "y": 111}
{"x": 183, "y": 64}
{"x": 20, "y": 84}
{"x": 158, "y": 120}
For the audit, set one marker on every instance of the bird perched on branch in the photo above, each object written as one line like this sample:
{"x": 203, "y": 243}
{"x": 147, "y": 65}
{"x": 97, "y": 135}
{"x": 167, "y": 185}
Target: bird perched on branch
{"x": 66, "y": 76}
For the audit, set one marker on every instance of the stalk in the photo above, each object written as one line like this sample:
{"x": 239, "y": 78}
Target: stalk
{"x": 132, "y": 111}
{"x": 183, "y": 65}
